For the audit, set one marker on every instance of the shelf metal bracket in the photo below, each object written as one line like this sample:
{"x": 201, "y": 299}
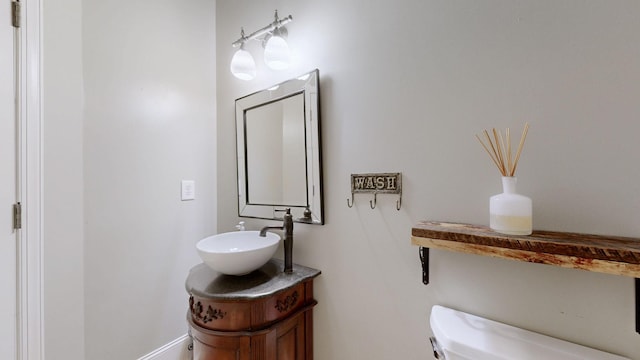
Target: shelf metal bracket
{"x": 424, "y": 259}
{"x": 620, "y": 250}
{"x": 637, "y": 305}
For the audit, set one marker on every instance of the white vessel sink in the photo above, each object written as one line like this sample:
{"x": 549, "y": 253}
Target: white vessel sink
{"x": 238, "y": 252}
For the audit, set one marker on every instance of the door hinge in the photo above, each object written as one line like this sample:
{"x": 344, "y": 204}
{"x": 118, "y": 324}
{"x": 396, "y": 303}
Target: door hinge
{"x": 17, "y": 216}
{"x": 15, "y": 14}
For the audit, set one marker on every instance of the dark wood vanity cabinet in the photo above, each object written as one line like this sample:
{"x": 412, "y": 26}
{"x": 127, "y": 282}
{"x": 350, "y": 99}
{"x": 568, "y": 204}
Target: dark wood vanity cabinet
{"x": 291, "y": 338}
{"x": 266, "y": 315}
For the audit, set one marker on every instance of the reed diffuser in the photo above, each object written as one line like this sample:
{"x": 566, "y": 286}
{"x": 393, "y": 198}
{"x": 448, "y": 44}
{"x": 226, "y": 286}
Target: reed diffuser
{"x": 509, "y": 213}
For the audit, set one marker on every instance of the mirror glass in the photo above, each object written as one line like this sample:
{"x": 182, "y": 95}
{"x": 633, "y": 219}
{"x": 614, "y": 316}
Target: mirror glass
{"x": 278, "y": 148}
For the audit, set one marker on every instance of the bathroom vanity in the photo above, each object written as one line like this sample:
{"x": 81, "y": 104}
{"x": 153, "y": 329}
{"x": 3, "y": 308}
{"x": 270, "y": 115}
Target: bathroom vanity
{"x": 266, "y": 314}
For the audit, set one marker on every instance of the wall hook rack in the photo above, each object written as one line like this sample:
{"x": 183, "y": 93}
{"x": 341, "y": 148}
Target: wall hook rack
{"x": 376, "y": 183}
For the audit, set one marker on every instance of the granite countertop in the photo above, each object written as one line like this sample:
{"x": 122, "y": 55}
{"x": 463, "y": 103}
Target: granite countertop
{"x": 269, "y": 279}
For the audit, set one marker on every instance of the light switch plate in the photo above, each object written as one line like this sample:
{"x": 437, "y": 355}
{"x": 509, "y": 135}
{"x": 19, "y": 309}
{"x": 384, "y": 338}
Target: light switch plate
{"x": 188, "y": 190}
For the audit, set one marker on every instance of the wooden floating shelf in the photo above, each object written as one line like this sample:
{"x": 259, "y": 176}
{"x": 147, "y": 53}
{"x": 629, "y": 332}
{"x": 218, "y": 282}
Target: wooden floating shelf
{"x": 606, "y": 254}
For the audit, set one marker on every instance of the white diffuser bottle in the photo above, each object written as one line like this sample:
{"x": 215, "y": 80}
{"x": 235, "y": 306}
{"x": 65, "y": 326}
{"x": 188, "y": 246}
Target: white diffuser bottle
{"x": 510, "y": 213}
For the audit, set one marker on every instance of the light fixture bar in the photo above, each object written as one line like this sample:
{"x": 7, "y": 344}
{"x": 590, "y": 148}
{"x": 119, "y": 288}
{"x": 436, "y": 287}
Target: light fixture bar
{"x": 269, "y": 28}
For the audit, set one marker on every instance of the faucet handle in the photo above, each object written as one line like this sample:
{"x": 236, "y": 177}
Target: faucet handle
{"x": 287, "y": 218}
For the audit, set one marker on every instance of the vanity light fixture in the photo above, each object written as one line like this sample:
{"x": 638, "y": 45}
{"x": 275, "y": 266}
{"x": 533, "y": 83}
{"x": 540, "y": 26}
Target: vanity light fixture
{"x": 277, "y": 55}
{"x": 242, "y": 64}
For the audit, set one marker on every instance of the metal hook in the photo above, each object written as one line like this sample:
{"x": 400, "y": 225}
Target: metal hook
{"x": 399, "y": 203}
{"x": 375, "y": 201}
{"x": 350, "y": 204}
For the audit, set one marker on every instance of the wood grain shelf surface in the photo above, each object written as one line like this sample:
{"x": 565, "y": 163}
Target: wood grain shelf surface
{"x": 606, "y": 254}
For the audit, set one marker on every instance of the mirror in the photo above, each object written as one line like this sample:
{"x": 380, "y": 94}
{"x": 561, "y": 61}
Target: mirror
{"x": 279, "y": 152}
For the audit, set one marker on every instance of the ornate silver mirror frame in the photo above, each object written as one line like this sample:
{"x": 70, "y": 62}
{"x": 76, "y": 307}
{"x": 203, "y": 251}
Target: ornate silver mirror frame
{"x": 279, "y": 152}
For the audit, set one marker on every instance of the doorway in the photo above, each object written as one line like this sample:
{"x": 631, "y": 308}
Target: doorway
{"x": 8, "y": 186}
{"x": 21, "y": 302}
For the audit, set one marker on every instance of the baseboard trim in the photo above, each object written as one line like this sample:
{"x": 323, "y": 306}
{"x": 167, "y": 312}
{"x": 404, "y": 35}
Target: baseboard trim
{"x": 178, "y": 349}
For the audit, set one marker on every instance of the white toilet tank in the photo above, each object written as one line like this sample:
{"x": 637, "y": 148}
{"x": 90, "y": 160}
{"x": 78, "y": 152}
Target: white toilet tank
{"x": 462, "y": 336}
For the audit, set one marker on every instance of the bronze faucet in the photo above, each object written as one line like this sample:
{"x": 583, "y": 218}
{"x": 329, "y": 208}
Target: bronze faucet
{"x": 287, "y": 226}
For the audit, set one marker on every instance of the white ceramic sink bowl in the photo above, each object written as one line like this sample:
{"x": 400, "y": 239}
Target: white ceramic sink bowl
{"x": 238, "y": 252}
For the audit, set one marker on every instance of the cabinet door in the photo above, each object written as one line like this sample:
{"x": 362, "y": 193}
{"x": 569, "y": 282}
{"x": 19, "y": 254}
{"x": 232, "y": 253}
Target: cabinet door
{"x": 221, "y": 348}
{"x": 291, "y": 339}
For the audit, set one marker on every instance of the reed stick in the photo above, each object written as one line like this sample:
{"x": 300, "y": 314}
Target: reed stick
{"x": 500, "y": 150}
{"x": 488, "y": 151}
{"x": 509, "y": 158}
{"x": 499, "y": 146}
{"x": 522, "y": 139}
{"x": 486, "y": 134}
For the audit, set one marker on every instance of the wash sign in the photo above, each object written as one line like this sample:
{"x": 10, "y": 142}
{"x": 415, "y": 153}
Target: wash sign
{"x": 380, "y": 183}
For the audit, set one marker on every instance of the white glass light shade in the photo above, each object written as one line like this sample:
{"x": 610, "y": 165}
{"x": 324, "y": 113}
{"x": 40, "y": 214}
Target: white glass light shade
{"x": 276, "y": 53}
{"x": 242, "y": 65}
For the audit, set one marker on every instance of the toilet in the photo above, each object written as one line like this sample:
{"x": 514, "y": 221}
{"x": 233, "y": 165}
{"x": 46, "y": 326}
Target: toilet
{"x": 462, "y": 336}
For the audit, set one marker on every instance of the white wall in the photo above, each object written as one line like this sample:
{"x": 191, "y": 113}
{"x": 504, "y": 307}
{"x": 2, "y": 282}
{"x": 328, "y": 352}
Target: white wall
{"x": 62, "y": 183}
{"x": 129, "y": 111}
{"x": 149, "y": 71}
{"x": 405, "y": 87}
